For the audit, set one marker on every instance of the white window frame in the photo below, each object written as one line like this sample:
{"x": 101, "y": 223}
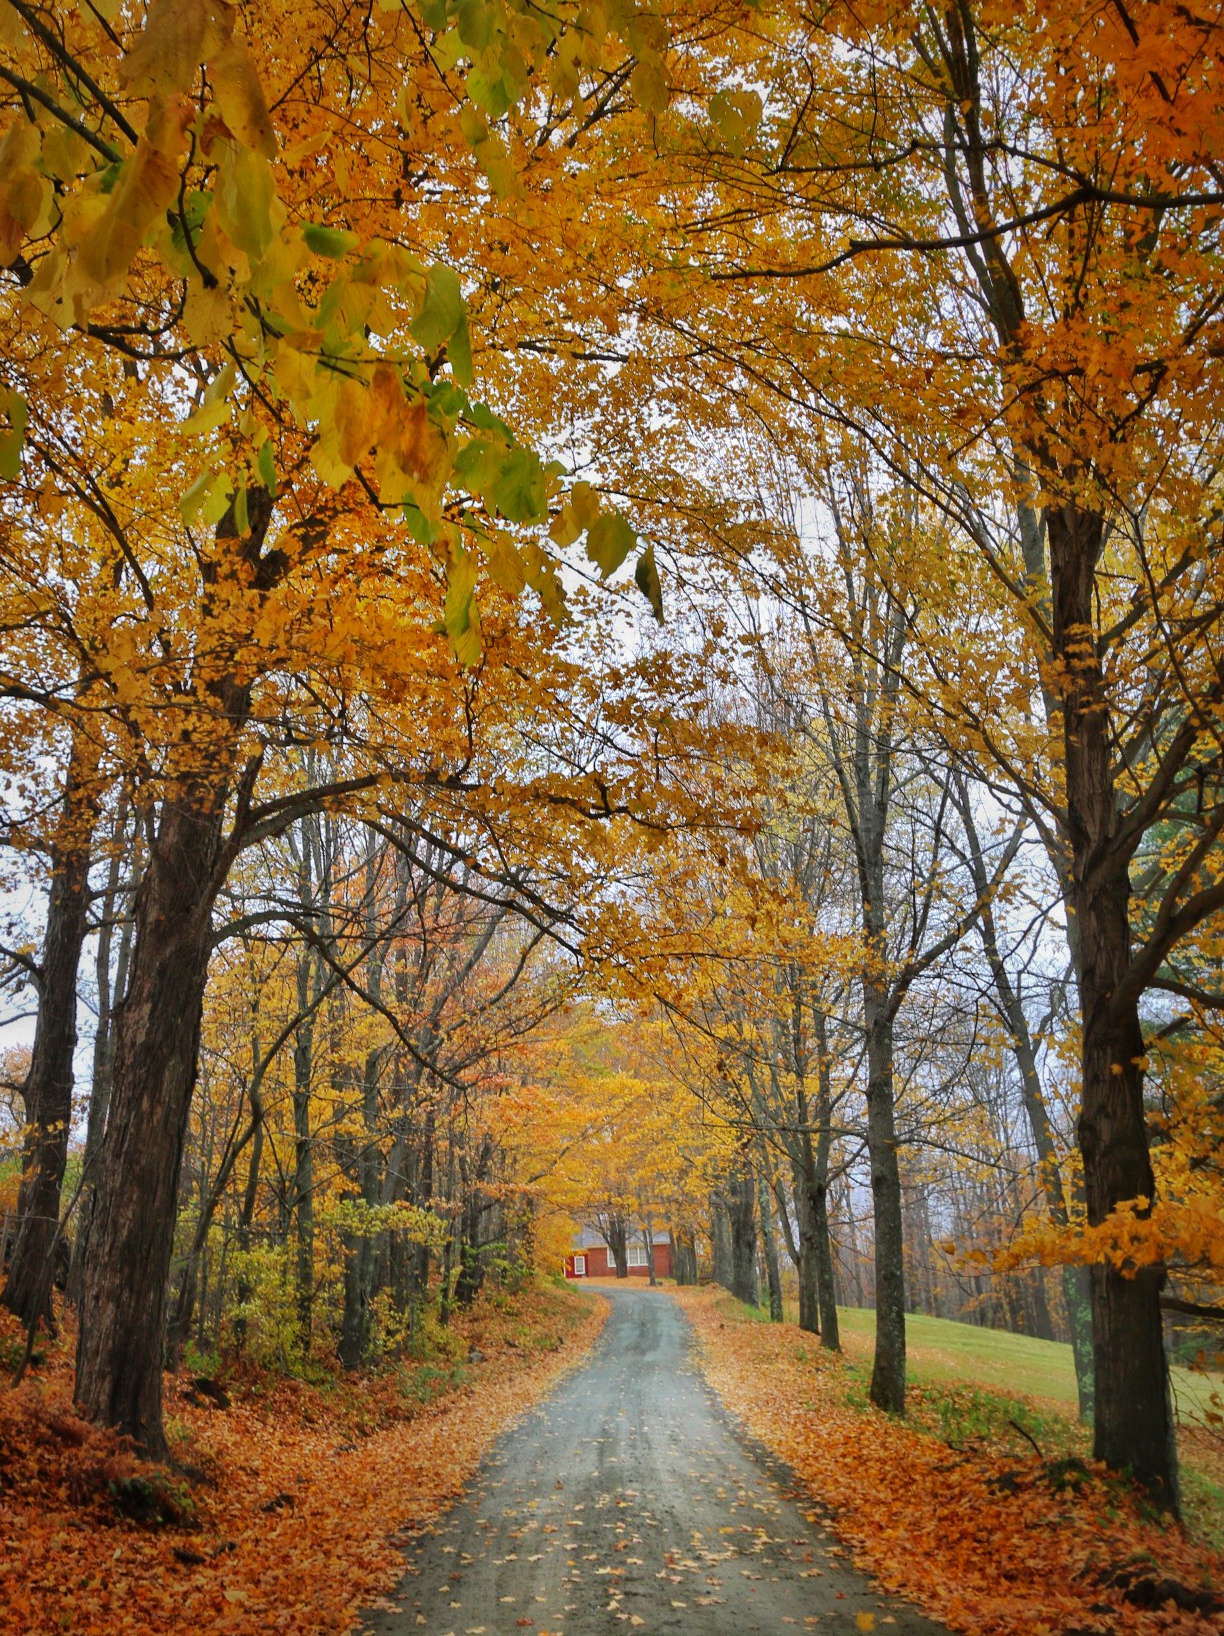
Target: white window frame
{"x": 635, "y": 1255}
{"x": 580, "y": 1266}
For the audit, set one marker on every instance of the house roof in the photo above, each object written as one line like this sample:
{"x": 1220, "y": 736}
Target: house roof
{"x": 590, "y": 1238}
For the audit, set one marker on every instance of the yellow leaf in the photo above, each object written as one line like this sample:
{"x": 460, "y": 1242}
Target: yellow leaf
{"x": 649, "y": 86}
{"x": 354, "y": 421}
{"x": 246, "y": 202}
{"x": 505, "y": 564}
{"x": 20, "y": 187}
{"x": 149, "y": 182}
{"x": 865, "y": 1621}
{"x": 206, "y": 314}
{"x": 177, "y": 37}
{"x": 240, "y": 97}
{"x": 207, "y": 418}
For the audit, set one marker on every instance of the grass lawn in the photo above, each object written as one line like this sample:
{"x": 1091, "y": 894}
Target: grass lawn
{"x": 972, "y": 1378}
{"x": 940, "y": 1350}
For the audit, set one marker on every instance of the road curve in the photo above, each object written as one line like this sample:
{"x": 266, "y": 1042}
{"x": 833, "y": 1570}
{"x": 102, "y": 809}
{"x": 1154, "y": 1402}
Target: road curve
{"x": 628, "y": 1501}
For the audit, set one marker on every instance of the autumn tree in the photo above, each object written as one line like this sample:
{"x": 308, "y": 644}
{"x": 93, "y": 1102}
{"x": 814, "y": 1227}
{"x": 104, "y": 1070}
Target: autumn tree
{"x": 978, "y": 241}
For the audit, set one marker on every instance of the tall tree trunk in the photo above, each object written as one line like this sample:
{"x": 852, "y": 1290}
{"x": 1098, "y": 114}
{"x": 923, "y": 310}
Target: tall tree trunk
{"x": 48, "y": 1086}
{"x": 856, "y": 1268}
{"x": 684, "y": 1257}
{"x": 123, "y": 1306}
{"x": 1134, "y": 1420}
{"x": 809, "y": 1287}
{"x": 110, "y": 996}
{"x": 818, "y": 1164}
{"x": 826, "y": 1282}
{"x": 741, "y": 1195}
{"x": 360, "y": 1247}
{"x": 888, "y": 1370}
{"x": 119, "y": 1358}
{"x": 720, "y": 1239}
{"x": 303, "y": 1150}
{"x": 773, "y": 1273}
{"x": 179, "y": 1326}
{"x": 423, "y": 1196}
{"x": 615, "y": 1229}
{"x": 314, "y": 890}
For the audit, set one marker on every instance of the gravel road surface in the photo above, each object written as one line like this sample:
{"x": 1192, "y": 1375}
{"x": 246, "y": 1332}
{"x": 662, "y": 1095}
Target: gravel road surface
{"x": 626, "y": 1502}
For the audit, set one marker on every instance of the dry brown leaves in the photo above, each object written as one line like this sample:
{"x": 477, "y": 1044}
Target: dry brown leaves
{"x": 291, "y": 1526}
{"x": 984, "y": 1543}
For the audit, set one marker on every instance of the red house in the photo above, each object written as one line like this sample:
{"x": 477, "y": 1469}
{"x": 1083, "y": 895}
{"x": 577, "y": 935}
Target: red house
{"x": 590, "y": 1256}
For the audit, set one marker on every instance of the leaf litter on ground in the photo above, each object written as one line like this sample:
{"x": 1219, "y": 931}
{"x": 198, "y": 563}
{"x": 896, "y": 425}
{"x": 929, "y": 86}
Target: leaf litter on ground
{"x": 285, "y": 1511}
{"x": 990, "y": 1541}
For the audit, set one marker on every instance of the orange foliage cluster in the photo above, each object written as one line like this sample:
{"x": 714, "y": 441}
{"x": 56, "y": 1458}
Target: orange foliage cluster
{"x": 291, "y": 1522}
{"x": 983, "y": 1542}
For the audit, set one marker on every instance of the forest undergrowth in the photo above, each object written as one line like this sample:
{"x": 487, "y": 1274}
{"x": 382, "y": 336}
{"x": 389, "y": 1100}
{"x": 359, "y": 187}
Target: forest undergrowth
{"x": 954, "y": 1509}
{"x": 288, "y": 1503}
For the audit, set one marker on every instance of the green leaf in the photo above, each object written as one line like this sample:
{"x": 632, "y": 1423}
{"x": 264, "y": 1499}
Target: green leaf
{"x": 459, "y": 614}
{"x": 475, "y": 20}
{"x": 419, "y": 526}
{"x": 609, "y": 541}
{"x": 646, "y": 576}
{"x": 484, "y": 420}
{"x": 245, "y": 198}
{"x": 265, "y": 465}
{"x": 217, "y": 502}
{"x": 195, "y": 497}
{"x": 459, "y": 352}
{"x": 433, "y": 14}
{"x": 518, "y": 492}
{"x": 332, "y": 242}
{"x": 442, "y": 309}
{"x": 195, "y": 207}
{"x": 446, "y": 399}
{"x": 495, "y": 92}
{"x": 242, "y": 516}
{"x": 478, "y": 465}
{"x": 14, "y": 406}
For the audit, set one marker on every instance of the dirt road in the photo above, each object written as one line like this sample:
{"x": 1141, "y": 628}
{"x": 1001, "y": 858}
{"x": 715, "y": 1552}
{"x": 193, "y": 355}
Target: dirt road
{"x": 628, "y": 1502}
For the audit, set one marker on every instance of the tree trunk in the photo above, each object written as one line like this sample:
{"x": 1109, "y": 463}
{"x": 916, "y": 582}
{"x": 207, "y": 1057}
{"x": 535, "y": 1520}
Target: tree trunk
{"x": 179, "y": 1326}
{"x": 123, "y": 1306}
{"x": 809, "y": 1288}
{"x": 48, "y": 1087}
{"x": 359, "y": 1249}
{"x": 743, "y": 1238}
{"x": 1134, "y": 1420}
{"x": 888, "y": 1370}
{"x": 720, "y": 1240}
{"x": 684, "y": 1257}
{"x": 773, "y": 1274}
{"x": 826, "y": 1283}
{"x": 110, "y": 997}
{"x": 119, "y": 1358}
{"x": 818, "y": 1165}
{"x": 615, "y": 1230}
{"x": 303, "y": 1160}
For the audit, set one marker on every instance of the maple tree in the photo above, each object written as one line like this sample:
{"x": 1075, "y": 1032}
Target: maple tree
{"x": 978, "y": 242}
{"x": 148, "y": 233}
